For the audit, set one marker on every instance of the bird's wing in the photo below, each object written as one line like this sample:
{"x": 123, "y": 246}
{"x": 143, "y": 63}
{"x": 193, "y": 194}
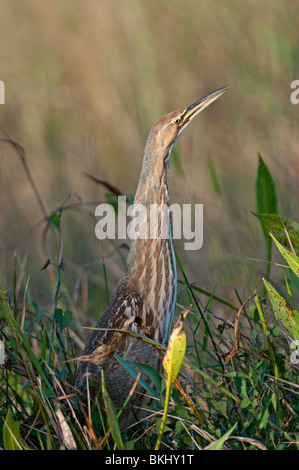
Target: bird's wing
{"x": 124, "y": 309}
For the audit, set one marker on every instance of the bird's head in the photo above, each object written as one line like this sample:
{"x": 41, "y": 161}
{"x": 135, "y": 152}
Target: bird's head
{"x": 164, "y": 133}
{"x": 168, "y": 128}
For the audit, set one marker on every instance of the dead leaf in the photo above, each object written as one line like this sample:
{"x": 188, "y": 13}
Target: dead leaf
{"x": 100, "y": 355}
{"x": 228, "y": 356}
{"x": 67, "y": 435}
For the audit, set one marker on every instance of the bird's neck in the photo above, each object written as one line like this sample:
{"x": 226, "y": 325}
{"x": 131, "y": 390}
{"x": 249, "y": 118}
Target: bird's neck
{"x": 152, "y": 267}
{"x": 151, "y": 218}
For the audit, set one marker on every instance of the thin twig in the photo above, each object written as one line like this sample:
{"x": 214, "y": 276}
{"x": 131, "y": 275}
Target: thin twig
{"x": 22, "y": 154}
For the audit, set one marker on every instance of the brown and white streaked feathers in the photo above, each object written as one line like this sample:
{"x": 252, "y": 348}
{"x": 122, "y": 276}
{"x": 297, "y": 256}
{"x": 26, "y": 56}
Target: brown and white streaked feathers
{"x": 144, "y": 300}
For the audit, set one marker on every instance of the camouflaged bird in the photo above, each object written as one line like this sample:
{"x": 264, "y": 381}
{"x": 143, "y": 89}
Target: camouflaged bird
{"x": 144, "y": 300}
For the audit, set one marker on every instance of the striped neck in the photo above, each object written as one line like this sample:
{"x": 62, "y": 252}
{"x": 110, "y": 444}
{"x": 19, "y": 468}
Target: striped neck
{"x": 152, "y": 267}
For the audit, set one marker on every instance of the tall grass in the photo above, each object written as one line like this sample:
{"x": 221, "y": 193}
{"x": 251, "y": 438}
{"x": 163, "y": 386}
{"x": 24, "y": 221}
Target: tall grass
{"x": 83, "y": 98}
{"x": 232, "y": 384}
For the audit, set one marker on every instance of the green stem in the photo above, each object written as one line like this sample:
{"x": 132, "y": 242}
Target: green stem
{"x": 164, "y": 417}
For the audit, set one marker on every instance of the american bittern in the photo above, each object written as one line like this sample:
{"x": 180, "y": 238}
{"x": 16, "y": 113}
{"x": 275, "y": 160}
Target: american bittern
{"x": 145, "y": 298}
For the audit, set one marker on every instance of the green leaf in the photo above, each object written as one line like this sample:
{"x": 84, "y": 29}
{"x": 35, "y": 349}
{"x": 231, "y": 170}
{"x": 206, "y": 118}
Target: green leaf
{"x": 175, "y": 353}
{"x": 295, "y": 280}
{"x": 40, "y": 315}
{"x": 112, "y": 417}
{"x": 134, "y": 374}
{"x": 54, "y": 219}
{"x": 290, "y": 295}
{"x": 291, "y": 259}
{"x": 242, "y": 390}
{"x": 63, "y": 318}
{"x": 217, "y": 445}
{"x": 172, "y": 362}
{"x": 220, "y": 405}
{"x": 278, "y": 226}
{"x": 44, "y": 344}
{"x": 263, "y": 418}
{"x": 129, "y": 445}
{"x": 11, "y": 434}
{"x": 283, "y": 311}
{"x": 266, "y": 201}
{"x": 265, "y": 190}
{"x": 22, "y": 338}
{"x": 151, "y": 373}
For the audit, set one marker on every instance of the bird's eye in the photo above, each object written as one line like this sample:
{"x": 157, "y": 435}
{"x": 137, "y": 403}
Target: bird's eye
{"x": 177, "y": 120}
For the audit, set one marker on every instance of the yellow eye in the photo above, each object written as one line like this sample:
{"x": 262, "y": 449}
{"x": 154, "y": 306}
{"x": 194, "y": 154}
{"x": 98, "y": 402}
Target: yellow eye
{"x": 177, "y": 120}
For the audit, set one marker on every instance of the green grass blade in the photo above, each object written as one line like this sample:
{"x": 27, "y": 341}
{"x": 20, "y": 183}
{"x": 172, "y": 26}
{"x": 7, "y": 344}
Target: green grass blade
{"x": 217, "y": 445}
{"x": 209, "y": 379}
{"x": 208, "y": 293}
{"x": 190, "y": 289}
{"x": 11, "y": 434}
{"x": 290, "y": 295}
{"x": 151, "y": 373}
{"x": 265, "y": 190}
{"x": 112, "y": 417}
{"x": 291, "y": 259}
{"x": 267, "y": 334}
{"x": 22, "y": 339}
{"x": 134, "y": 374}
{"x": 266, "y": 202}
{"x": 295, "y": 280}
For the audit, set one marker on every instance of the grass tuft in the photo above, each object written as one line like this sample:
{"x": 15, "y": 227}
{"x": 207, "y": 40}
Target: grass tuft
{"x": 231, "y": 376}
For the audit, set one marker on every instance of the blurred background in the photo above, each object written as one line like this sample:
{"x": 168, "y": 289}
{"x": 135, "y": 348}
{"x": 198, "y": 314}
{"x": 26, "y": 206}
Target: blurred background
{"x": 85, "y": 81}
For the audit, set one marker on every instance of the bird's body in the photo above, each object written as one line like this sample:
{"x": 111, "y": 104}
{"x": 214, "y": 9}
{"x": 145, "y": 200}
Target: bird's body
{"x": 145, "y": 299}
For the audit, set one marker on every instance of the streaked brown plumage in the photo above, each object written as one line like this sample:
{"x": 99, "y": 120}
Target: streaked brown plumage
{"x": 148, "y": 291}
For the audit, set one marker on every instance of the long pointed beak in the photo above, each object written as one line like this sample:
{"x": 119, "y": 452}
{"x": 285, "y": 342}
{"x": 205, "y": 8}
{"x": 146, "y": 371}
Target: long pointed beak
{"x": 195, "y": 108}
